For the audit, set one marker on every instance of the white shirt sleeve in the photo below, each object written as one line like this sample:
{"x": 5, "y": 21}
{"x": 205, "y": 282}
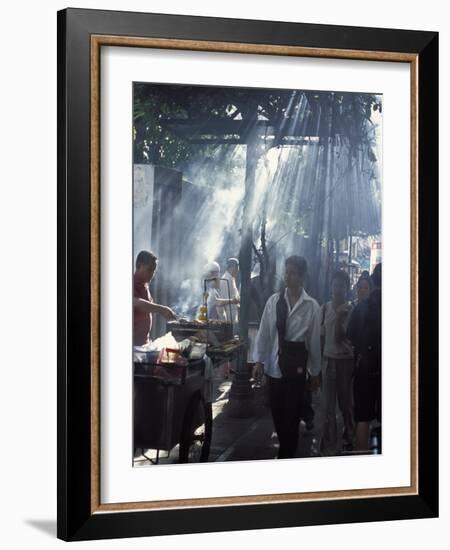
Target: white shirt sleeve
{"x": 313, "y": 344}
{"x": 262, "y": 341}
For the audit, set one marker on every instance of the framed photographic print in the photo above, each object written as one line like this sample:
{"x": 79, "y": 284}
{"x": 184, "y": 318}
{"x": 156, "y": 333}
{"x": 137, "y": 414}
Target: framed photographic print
{"x": 247, "y": 254}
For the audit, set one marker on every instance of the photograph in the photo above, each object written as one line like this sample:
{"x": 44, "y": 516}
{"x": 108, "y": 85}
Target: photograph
{"x": 257, "y": 273}
{"x": 246, "y": 274}
{"x": 229, "y": 223}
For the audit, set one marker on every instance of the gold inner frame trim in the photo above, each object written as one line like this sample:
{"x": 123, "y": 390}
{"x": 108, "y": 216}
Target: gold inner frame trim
{"x": 97, "y": 41}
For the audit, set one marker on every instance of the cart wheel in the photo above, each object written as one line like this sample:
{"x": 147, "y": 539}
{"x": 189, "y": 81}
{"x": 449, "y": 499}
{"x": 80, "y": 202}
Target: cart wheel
{"x": 196, "y": 433}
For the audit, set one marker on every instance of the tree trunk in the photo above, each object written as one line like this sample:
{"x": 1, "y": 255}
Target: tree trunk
{"x": 240, "y": 403}
{"x": 245, "y": 254}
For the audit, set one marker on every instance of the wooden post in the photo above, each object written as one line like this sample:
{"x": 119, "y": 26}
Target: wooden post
{"x": 240, "y": 403}
{"x": 245, "y": 253}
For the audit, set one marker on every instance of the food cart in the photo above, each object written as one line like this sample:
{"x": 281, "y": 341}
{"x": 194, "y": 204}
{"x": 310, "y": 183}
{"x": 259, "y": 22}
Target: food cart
{"x": 173, "y": 390}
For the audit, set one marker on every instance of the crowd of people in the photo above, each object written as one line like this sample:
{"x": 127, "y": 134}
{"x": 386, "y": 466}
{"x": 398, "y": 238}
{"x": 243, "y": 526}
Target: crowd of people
{"x": 300, "y": 347}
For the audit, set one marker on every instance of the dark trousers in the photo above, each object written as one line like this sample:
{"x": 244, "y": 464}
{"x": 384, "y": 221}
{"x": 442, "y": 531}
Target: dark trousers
{"x": 307, "y": 410}
{"x": 286, "y": 402}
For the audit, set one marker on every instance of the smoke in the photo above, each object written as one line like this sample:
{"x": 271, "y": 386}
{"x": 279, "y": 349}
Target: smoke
{"x": 210, "y": 214}
{"x": 307, "y": 195}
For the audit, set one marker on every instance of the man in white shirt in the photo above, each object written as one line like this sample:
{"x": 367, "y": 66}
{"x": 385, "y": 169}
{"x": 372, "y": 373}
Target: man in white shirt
{"x": 287, "y": 345}
{"x": 229, "y": 290}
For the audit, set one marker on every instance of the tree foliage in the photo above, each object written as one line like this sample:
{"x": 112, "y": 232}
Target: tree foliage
{"x": 161, "y": 110}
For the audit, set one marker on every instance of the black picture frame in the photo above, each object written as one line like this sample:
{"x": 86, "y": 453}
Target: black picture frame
{"x": 76, "y": 518}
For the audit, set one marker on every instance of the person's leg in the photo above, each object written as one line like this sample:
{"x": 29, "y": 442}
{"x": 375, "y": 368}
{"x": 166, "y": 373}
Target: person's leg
{"x": 362, "y": 436}
{"x": 378, "y": 397}
{"x": 361, "y": 398}
{"x": 329, "y": 431}
{"x": 276, "y": 399}
{"x": 294, "y": 389}
{"x": 344, "y": 371}
{"x": 307, "y": 409}
{"x": 377, "y": 409}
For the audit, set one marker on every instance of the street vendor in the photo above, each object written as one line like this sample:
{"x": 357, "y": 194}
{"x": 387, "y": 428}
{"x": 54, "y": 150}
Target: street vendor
{"x": 215, "y": 303}
{"x": 229, "y": 289}
{"x": 143, "y": 304}
{"x": 287, "y": 345}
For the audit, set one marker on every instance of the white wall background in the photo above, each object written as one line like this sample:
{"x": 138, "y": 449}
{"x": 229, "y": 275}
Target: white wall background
{"x": 28, "y": 271}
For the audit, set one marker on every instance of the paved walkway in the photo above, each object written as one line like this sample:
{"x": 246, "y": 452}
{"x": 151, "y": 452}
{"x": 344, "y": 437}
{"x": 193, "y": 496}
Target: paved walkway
{"x": 250, "y": 438}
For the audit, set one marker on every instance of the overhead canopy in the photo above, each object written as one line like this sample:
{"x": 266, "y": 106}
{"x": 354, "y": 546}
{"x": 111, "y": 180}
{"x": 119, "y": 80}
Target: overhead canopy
{"x": 217, "y": 115}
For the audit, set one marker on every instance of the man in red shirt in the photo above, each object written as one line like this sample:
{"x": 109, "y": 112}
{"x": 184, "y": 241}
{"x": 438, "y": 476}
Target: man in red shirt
{"x": 143, "y": 304}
